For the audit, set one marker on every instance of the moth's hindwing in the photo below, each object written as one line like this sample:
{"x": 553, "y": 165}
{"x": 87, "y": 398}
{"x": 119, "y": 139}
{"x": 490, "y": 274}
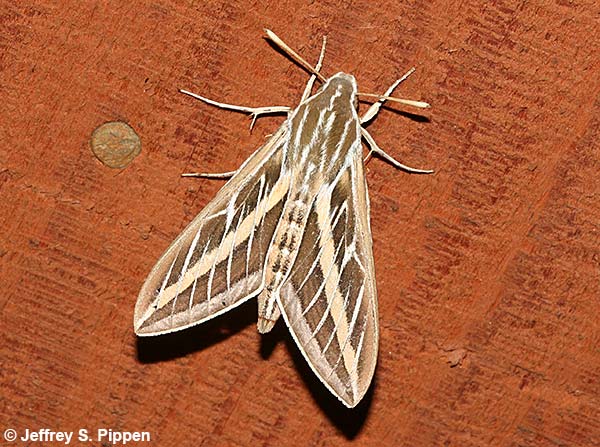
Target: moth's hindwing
{"x": 216, "y": 263}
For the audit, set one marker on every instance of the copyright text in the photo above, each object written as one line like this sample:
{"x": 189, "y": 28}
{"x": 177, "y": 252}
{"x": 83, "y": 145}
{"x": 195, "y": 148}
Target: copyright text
{"x": 105, "y": 435}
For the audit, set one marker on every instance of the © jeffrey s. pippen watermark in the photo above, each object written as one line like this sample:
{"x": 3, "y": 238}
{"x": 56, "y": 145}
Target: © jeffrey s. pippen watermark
{"x": 104, "y": 435}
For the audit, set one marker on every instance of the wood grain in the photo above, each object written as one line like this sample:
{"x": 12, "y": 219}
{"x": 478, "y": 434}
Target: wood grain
{"x": 488, "y": 271}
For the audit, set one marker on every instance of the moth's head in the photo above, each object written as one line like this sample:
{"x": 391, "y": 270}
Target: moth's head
{"x": 343, "y": 85}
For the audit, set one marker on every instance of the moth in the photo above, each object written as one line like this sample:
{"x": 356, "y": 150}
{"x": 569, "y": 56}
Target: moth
{"x": 291, "y": 227}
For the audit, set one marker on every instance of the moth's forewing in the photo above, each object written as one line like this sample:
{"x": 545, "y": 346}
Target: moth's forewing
{"x": 217, "y": 262}
{"x": 329, "y": 299}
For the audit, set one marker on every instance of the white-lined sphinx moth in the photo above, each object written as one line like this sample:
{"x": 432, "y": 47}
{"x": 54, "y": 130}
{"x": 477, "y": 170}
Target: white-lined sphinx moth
{"x": 292, "y": 228}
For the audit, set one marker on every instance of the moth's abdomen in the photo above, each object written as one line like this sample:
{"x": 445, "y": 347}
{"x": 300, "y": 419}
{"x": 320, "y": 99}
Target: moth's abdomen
{"x": 281, "y": 257}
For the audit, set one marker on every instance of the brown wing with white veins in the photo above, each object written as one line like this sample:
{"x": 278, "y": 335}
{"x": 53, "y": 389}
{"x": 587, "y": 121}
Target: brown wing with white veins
{"x": 329, "y": 300}
{"x": 230, "y": 236}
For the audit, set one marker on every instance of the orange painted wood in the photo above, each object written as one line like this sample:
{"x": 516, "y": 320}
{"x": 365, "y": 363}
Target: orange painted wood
{"x": 488, "y": 271}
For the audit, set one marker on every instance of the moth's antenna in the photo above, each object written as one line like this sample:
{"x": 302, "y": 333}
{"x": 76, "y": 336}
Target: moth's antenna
{"x": 281, "y": 44}
{"x": 408, "y": 102}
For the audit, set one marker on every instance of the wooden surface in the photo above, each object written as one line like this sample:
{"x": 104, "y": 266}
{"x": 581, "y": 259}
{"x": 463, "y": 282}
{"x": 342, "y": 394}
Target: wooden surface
{"x": 488, "y": 271}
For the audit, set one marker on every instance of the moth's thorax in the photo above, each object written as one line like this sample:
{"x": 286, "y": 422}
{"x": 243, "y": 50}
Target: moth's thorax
{"x": 343, "y": 83}
{"x": 324, "y": 130}
{"x": 338, "y": 93}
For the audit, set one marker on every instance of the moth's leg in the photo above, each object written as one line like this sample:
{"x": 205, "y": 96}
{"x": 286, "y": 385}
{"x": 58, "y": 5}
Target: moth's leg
{"x": 253, "y": 111}
{"x": 374, "y": 148}
{"x": 313, "y": 77}
{"x": 374, "y": 109}
{"x": 214, "y": 175}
